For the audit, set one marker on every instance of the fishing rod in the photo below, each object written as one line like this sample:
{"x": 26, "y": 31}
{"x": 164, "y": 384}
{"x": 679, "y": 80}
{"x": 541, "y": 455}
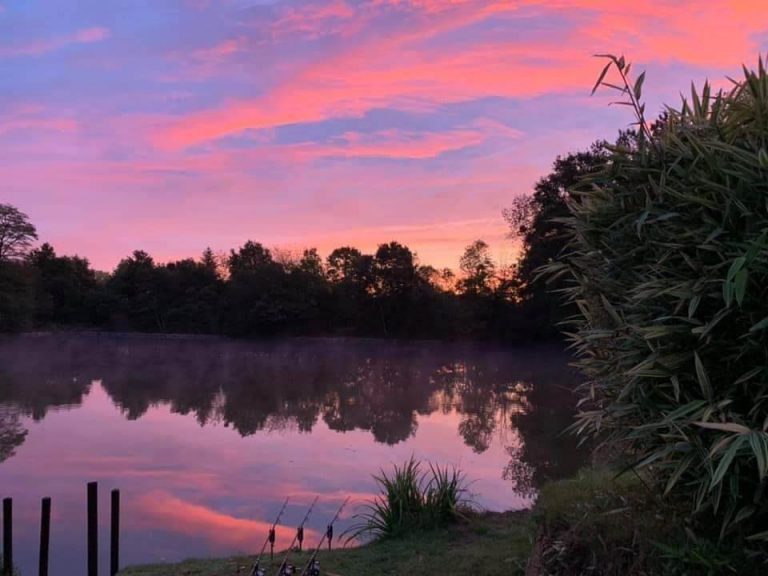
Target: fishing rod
{"x": 288, "y": 569}
{"x": 313, "y": 566}
{"x": 256, "y": 570}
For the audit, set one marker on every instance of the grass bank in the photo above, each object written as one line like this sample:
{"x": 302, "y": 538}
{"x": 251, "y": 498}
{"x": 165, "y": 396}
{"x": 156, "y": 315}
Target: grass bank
{"x": 490, "y": 544}
{"x": 592, "y": 524}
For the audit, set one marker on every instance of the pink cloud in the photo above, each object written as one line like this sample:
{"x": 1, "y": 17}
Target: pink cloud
{"x": 397, "y": 69}
{"x": 31, "y": 118}
{"x": 39, "y": 47}
{"x": 312, "y": 19}
{"x": 89, "y": 35}
{"x": 322, "y": 93}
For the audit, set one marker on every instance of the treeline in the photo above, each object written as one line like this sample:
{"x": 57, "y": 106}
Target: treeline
{"x": 253, "y": 292}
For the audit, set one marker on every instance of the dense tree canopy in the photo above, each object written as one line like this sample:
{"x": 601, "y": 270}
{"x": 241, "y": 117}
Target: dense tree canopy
{"x": 255, "y": 291}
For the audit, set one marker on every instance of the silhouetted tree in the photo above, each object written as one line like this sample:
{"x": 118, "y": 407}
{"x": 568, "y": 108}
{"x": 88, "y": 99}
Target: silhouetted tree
{"x": 535, "y": 221}
{"x": 189, "y": 294}
{"x": 12, "y": 432}
{"x": 16, "y": 233}
{"x": 351, "y": 274}
{"x": 254, "y": 298}
{"x": 16, "y": 282}
{"x": 137, "y": 295}
{"x": 65, "y": 288}
{"x": 478, "y": 268}
{"x": 17, "y": 303}
{"x": 255, "y": 291}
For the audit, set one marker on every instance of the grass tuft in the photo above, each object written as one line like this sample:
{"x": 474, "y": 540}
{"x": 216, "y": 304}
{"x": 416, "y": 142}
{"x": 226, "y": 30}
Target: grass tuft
{"x": 412, "y": 499}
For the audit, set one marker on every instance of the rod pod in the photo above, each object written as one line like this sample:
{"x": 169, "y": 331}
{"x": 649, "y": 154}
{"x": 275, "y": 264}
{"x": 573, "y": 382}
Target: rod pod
{"x": 256, "y": 569}
{"x": 288, "y": 569}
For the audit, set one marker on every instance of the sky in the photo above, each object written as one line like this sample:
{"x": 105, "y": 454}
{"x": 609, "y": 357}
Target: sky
{"x": 173, "y": 125}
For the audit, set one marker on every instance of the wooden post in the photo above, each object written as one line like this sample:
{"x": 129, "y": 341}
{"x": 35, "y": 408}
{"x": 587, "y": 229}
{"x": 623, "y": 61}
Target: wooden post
{"x": 114, "y": 550}
{"x": 45, "y": 536}
{"x": 7, "y": 537}
{"x": 93, "y": 529}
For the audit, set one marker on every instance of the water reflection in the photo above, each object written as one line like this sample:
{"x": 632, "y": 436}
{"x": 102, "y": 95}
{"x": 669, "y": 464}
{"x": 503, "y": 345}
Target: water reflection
{"x": 314, "y": 416}
{"x": 12, "y": 432}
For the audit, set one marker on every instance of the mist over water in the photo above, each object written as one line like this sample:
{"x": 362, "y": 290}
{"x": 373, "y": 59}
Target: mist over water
{"x": 206, "y": 437}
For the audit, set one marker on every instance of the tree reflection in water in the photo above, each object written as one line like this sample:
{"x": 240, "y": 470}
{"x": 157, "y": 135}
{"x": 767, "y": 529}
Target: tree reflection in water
{"x": 520, "y": 396}
{"x": 12, "y": 432}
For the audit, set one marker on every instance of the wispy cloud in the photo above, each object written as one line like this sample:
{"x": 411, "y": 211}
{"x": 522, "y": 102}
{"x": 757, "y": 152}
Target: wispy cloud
{"x": 31, "y": 118}
{"x": 44, "y": 46}
{"x": 323, "y": 121}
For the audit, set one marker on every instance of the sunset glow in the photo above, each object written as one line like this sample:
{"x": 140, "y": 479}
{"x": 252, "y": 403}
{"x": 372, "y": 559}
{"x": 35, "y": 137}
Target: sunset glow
{"x": 172, "y": 125}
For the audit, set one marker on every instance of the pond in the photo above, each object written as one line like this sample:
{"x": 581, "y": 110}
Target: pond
{"x": 206, "y": 437}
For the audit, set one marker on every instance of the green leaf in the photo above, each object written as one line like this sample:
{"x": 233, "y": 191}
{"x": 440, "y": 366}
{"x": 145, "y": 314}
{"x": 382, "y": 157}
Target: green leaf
{"x": 693, "y": 305}
{"x": 701, "y": 373}
{"x": 679, "y": 471}
{"x": 726, "y": 461}
{"x": 756, "y": 247}
{"x": 762, "y": 325}
{"x": 740, "y": 285}
{"x": 724, "y": 426}
{"x": 748, "y": 375}
{"x": 759, "y": 536}
{"x": 601, "y": 78}
{"x": 759, "y": 445}
{"x": 736, "y": 265}
{"x": 638, "y": 89}
{"x": 762, "y": 157}
{"x": 727, "y": 292}
{"x": 676, "y": 386}
{"x": 611, "y": 310}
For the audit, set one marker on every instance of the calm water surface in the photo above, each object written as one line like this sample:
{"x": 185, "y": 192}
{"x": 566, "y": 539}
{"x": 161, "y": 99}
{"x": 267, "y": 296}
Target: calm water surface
{"x": 205, "y": 437}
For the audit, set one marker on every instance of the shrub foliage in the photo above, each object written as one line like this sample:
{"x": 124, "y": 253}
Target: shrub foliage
{"x": 667, "y": 262}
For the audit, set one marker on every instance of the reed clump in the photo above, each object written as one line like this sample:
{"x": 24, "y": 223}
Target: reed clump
{"x": 413, "y": 496}
{"x": 667, "y": 264}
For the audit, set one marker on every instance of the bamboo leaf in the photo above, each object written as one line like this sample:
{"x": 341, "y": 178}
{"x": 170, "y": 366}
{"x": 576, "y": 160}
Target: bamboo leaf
{"x": 757, "y": 441}
{"x": 701, "y": 374}
{"x": 724, "y": 426}
{"x": 762, "y": 325}
{"x": 748, "y": 375}
{"x": 638, "y": 88}
{"x": 736, "y": 265}
{"x": 601, "y": 78}
{"x": 726, "y": 461}
{"x": 740, "y": 285}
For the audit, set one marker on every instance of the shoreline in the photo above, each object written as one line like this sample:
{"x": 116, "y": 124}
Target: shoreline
{"x": 488, "y": 543}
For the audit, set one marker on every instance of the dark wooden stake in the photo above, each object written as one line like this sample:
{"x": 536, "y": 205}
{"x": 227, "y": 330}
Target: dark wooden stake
{"x": 93, "y": 529}
{"x": 45, "y": 536}
{"x": 7, "y": 537}
{"x": 114, "y": 550}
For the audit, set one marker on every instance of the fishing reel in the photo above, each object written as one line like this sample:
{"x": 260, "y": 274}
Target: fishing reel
{"x": 260, "y": 571}
{"x": 288, "y": 570}
{"x": 314, "y": 569}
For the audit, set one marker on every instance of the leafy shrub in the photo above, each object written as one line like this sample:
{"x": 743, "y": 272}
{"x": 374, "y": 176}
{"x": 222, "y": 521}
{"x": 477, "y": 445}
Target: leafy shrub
{"x": 412, "y": 499}
{"x": 668, "y": 265}
{"x": 598, "y": 524}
